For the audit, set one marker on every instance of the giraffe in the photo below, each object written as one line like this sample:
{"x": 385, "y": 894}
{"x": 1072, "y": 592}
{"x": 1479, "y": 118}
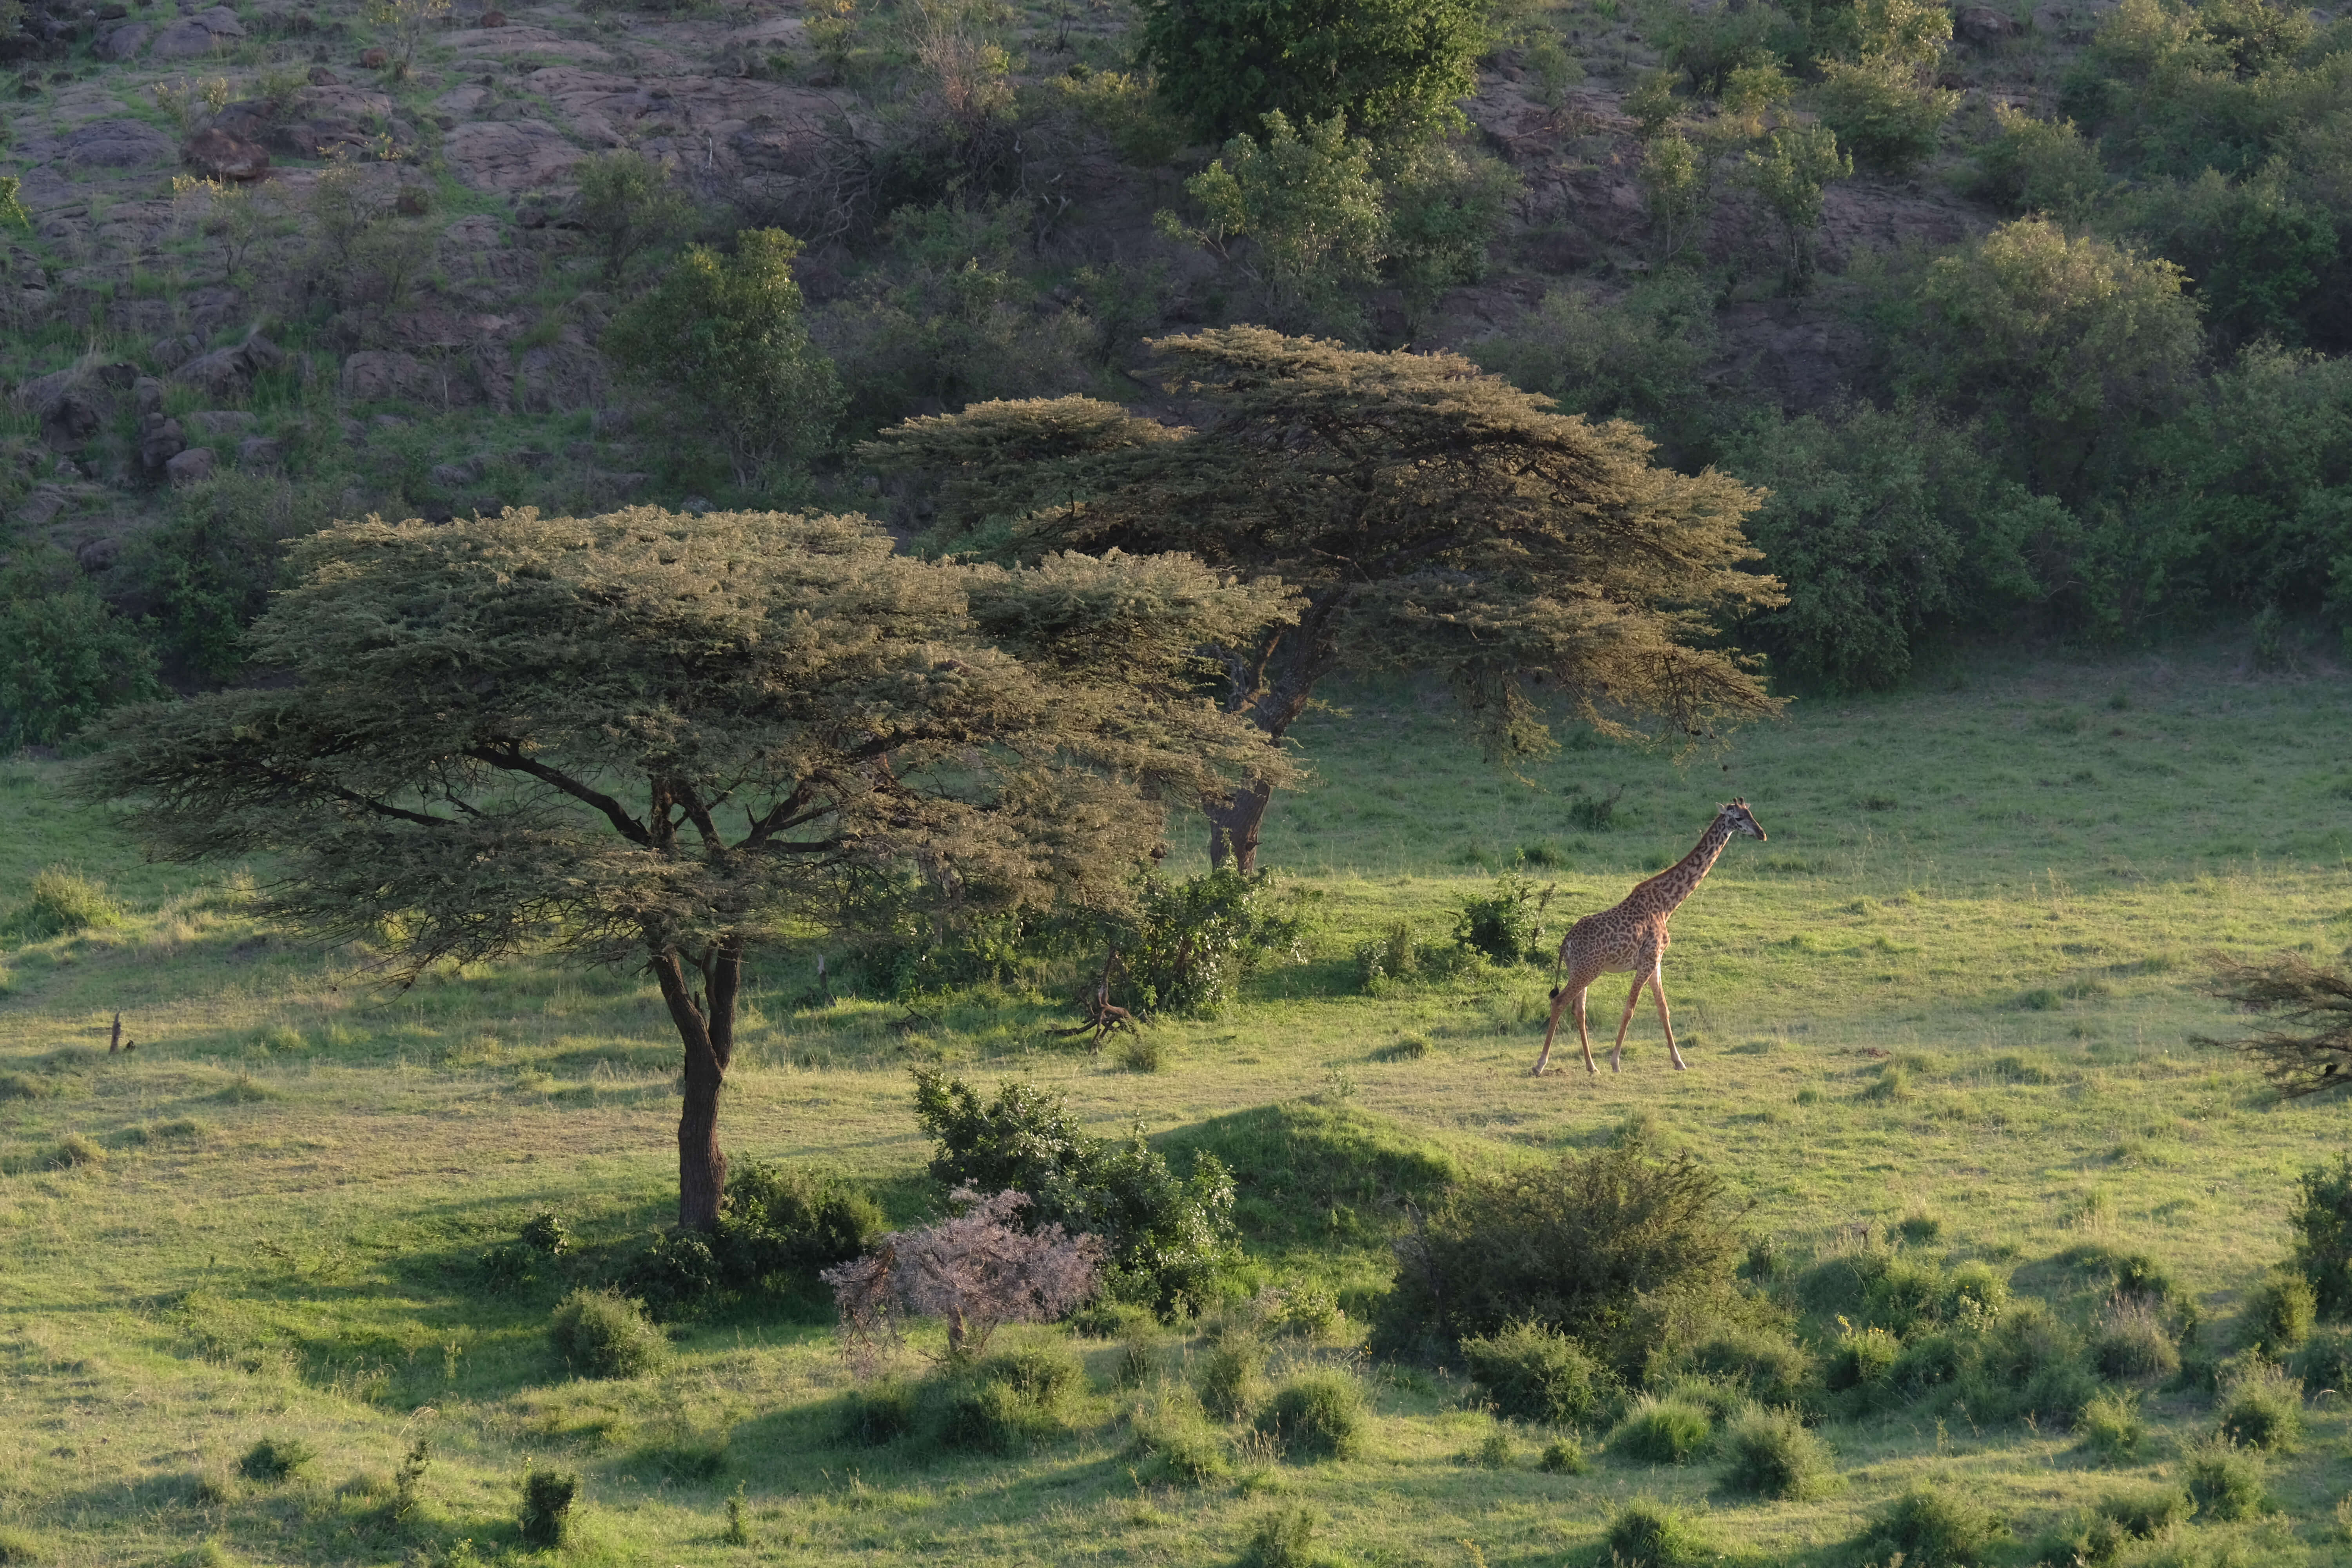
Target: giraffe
{"x": 1633, "y": 936}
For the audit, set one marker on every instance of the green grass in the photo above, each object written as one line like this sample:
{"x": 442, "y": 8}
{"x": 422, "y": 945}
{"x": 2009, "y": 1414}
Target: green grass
{"x": 301, "y": 1170}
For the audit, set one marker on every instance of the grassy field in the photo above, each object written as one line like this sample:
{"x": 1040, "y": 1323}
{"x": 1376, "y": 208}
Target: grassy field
{"x": 1956, "y": 984}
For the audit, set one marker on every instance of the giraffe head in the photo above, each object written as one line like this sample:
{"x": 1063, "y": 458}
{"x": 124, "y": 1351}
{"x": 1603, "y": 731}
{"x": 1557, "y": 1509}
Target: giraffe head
{"x": 1736, "y": 816}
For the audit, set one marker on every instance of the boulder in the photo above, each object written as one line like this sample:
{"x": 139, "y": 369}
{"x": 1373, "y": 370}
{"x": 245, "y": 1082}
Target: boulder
{"x": 124, "y": 43}
{"x": 188, "y": 466}
{"x": 226, "y": 374}
{"x": 221, "y": 422}
{"x": 163, "y": 441}
{"x": 375, "y": 374}
{"x": 95, "y": 555}
{"x": 172, "y": 352}
{"x": 114, "y": 145}
{"x": 260, "y": 452}
{"x": 38, "y": 510}
{"x": 321, "y": 77}
{"x": 218, "y": 155}
{"x": 112, "y": 11}
{"x": 183, "y": 40}
{"x": 119, "y": 376}
{"x": 510, "y": 155}
{"x": 457, "y": 475}
{"x": 493, "y": 19}
{"x": 220, "y": 22}
{"x": 68, "y": 419}
{"x": 375, "y": 60}
{"x": 1983, "y": 26}
{"x": 147, "y": 396}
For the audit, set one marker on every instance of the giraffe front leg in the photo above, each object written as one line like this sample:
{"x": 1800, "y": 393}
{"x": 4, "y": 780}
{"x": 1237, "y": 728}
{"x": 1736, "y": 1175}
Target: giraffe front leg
{"x": 1559, "y": 1001}
{"x": 1633, "y": 998}
{"x": 1584, "y": 1035}
{"x": 1658, "y": 989}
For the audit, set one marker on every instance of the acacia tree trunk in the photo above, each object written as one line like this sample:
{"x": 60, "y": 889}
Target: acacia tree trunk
{"x": 1272, "y": 685}
{"x": 1233, "y": 827}
{"x": 705, "y": 1026}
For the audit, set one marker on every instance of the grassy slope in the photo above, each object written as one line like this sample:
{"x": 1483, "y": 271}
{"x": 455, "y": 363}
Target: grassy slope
{"x": 299, "y": 1167}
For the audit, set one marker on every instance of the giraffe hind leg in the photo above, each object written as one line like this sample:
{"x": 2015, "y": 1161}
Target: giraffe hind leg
{"x": 1559, "y": 1001}
{"x": 1584, "y": 1035}
{"x": 1633, "y": 997}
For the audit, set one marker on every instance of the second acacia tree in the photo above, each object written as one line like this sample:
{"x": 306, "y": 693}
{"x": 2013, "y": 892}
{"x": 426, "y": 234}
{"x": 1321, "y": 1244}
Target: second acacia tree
{"x": 1432, "y": 518}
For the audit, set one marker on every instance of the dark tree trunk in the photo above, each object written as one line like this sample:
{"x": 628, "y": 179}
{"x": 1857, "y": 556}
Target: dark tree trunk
{"x": 705, "y": 1026}
{"x": 1233, "y": 827}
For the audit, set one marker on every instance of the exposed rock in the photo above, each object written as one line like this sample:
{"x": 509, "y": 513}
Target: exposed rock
{"x": 325, "y": 136}
{"x": 124, "y": 43}
{"x": 221, "y": 156}
{"x": 112, "y": 11}
{"x": 557, "y": 376}
{"x": 220, "y": 22}
{"x": 211, "y": 308}
{"x": 184, "y": 39}
{"x": 147, "y": 396}
{"x": 68, "y": 419}
{"x": 1983, "y": 26}
{"x": 163, "y": 441}
{"x": 376, "y": 374}
{"x": 40, "y": 509}
{"x": 226, "y": 374}
{"x": 321, "y": 77}
{"x": 95, "y": 555}
{"x": 374, "y": 59}
{"x": 172, "y": 352}
{"x": 117, "y": 375}
{"x": 222, "y": 421}
{"x": 514, "y": 155}
{"x": 492, "y": 19}
{"x": 115, "y": 144}
{"x": 455, "y": 475}
{"x": 260, "y": 452}
{"x": 196, "y": 463}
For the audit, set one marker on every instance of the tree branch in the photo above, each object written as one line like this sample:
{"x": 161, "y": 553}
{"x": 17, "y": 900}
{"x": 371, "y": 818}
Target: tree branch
{"x": 513, "y": 761}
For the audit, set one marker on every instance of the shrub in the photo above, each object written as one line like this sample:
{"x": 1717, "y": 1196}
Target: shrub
{"x": 1043, "y": 1374}
{"x": 1646, "y": 1534}
{"x": 2322, "y": 1218}
{"x": 2111, "y": 1427}
{"x": 547, "y": 1498}
{"x": 1563, "y": 1457}
{"x": 1773, "y": 1455}
{"x": 1446, "y": 203}
{"x": 1308, "y": 204}
{"x": 883, "y": 1411}
{"x": 1138, "y": 1052}
{"x": 1182, "y": 1446}
{"x": 1861, "y": 1359}
{"x": 2279, "y": 1318}
{"x": 1772, "y": 1367}
{"x": 1662, "y": 1432}
{"x": 1320, "y": 1414}
{"x": 626, "y": 204}
{"x": 1494, "y": 1451}
{"x": 2132, "y": 1343}
{"x": 1199, "y": 938}
{"x": 274, "y": 1458}
{"x": 546, "y": 1232}
{"x": 2326, "y": 1361}
{"x": 15, "y": 1547}
{"x": 1166, "y": 1240}
{"x": 64, "y": 656}
{"x": 602, "y": 1333}
{"x": 678, "y": 1271}
{"x": 1930, "y": 1361}
{"x": 975, "y": 1270}
{"x": 64, "y": 902}
{"x": 1535, "y": 1373}
{"x": 1281, "y": 1538}
{"x": 2262, "y": 1409}
{"x": 2148, "y": 1510}
{"x": 2040, "y": 167}
{"x": 784, "y": 1219}
{"x": 1886, "y": 117}
{"x": 2225, "y": 1480}
{"x": 1638, "y": 356}
{"x": 1504, "y": 923}
{"x": 724, "y": 335}
{"x": 985, "y": 1414}
{"x": 1297, "y": 1165}
{"x": 1598, "y": 1247}
{"x": 1230, "y": 1376}
{"x": 76, "y": 1151}
{"x": 1224, "y": 63}
{"x": 221, "y": 551}
{"x": 1933, "y": 1527}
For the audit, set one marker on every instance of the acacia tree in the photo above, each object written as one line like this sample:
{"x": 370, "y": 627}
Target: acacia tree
{"x": 1431, "y": 517}
{"x": 2310, "y": 1055}
{"x": 645, "y": 738}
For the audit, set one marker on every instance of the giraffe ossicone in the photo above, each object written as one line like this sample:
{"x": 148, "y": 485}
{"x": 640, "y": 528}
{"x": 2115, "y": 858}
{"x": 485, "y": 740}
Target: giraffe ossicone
{"x": 1632, "y": 936}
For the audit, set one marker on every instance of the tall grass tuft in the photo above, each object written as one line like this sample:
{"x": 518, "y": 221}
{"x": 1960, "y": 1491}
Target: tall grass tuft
{"x": 1647, "y": 1534}
{"x": 547, "y": 1500}
{"x": 1935, "y": 1526}
{"x": 1320, "y": 1414}
{"x": 2263, "y": 1409}
{"x": 1662, "y": 1432}
{"x": 1773, "y": 1455}
{"x": 602, "y": 1333}
{"x": 2225, "y": 1479}
{"x": 63, "y": 903}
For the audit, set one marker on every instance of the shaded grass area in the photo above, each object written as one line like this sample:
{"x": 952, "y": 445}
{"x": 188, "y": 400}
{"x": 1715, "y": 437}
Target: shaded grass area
{"x": 1960, "y": 1013}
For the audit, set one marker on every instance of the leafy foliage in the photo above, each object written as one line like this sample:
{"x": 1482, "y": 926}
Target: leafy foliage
{"x": 1935, "y": 1526}
{"x": 2322, "y": 1218}
{"x": 601, "y": 1333}
{"x": 722, "y": 336}
{"x": 1773, "y": 1454}
{"x": 1636, "y": 357}
{"x": 1536, "y": 1374}
{"x": 2044, "y": 166}
{"x": 1309, "y": 207}
{"x": 1320, "y": 1414}
{"x": 2303, "y": 1061}
{"x": 974, "y": 1270}
{"x": 1386, "y": 65}
{"x": 1881, "y": 104}
{"x": 627, "y": 204}
{"x": 1165, "y": 1240}
{"x": 64, "y": 656}
{"x": 1197, "y": 938}
{"x": 1506, "y": 924}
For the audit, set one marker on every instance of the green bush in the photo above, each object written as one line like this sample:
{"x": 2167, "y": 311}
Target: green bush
{"x": 1179, "y": 1445}
{"x": 2326, "y": 1361}
{"x": 1935, "y": 1526}
{"x": 1861, "y": 1359}
{"x": 1535, "y": 1373}
{"x": 980, "y": 1415}
{"x": 626, "y": 204}
{"x": 2040, "y": 167}
{"x": 2148, "y": 1510}
{"x": 547, "y": 1500}
{"x": 2262, "y": 1409}
{"x": 1320, "y": 1414}
{"x": 1773, "y": 1455}
{"x": 1045, "y": 1374}
{"x": 2280, "y": 1315}
{"x": 1307, "y": 204}
{"x": 2322, "y": 1218}
{"x": 1646, "y": 1534}
{"x": 1199, "y": 938}
{"x": 64, "y": 656}
{"x": 274, "y": 1458}
{"x": 1230, "y": 1376}
{"x": 2225, "y": 1480}
{"x": 1563, "y": 1457}
{"x": 1297, "y": 1163}
{"x": 784, "y": 1219}
{"x": 1170, "y": 1240}
{"x": 881, "y": 1412}
{"x": 1506, "y": 922}
{"x": 1663, "y": 1432}
{"x": 1772, "y": 1368}
{"x": 678, "y": 1272}
{"x": 1603, "y": 1247}
{"x": 2133, "y": 1342}
{"x": 1282, "y": 1538}
{"x": 1385, "y": 65}
{"x": 1637, "y": 357}
{"x": 1884, "y": 116}
{"x": 601, "y": 1333}
{"x": 2110, "y": 1426}
{"x": 212, "y": 565}
{"x": 1445, "y": 204}
{"x": 64, "y": 902}
{"x": 1928, "y": 1362}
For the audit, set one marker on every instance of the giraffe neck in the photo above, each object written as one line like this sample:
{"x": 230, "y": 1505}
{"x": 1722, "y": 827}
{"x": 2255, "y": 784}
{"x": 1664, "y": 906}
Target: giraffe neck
{"x": 1678, "y": 881}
